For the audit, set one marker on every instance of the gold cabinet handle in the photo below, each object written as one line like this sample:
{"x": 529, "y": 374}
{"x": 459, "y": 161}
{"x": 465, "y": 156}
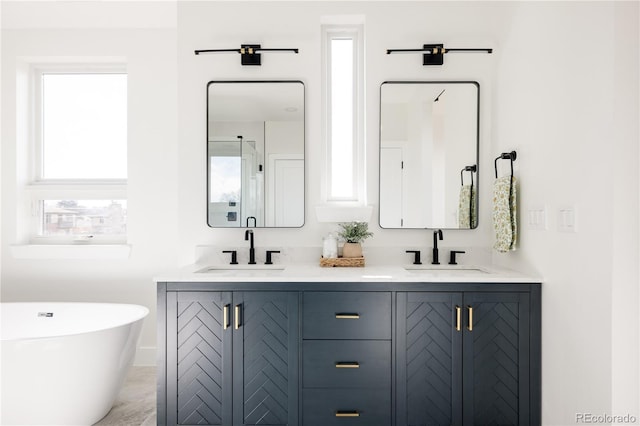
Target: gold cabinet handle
{"x": 458, "y": 318}
{"x": 225, "y": 317}
{"x": 347, "y": 414}
{"x": 470, "y": 325}
{"x": 347, "y": 365}
{"x": 237, "y": 316}
{"x": 347, "y": 316}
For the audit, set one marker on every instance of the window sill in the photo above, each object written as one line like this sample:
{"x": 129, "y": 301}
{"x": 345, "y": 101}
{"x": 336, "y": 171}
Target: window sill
{"x": 71, "y": 251}
{"x": 337, "y": 213}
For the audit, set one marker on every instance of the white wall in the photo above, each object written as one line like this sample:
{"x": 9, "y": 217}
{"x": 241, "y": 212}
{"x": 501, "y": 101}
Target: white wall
{"x": 567, "y": 89}
{"x": 625, "y": 325}
{"x": 283, "y": 137}
{"x": 561, "y": 89}
{"x": 150, "y": 53}
{"x": 459, "y": 131}
{"x": 206, "y": 25}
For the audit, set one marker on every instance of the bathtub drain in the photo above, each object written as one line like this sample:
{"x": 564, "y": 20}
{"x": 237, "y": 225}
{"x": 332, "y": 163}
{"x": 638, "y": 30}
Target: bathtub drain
{"x": 45, "y": 314}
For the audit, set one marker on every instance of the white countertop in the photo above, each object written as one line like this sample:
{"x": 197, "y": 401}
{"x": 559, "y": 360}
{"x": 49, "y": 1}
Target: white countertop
{"x": 315, "y": 273}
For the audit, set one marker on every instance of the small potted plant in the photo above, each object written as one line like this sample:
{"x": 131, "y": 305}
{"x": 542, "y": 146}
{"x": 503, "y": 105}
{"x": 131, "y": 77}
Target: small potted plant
{"x": 354, "y": 233}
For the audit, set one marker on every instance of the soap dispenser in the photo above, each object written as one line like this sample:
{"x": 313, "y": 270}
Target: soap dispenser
{"x": 329, "y": 247}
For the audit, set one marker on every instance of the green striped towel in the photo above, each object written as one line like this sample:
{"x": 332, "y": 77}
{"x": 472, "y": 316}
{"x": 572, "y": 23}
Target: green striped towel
{"x": 505, "y": 213}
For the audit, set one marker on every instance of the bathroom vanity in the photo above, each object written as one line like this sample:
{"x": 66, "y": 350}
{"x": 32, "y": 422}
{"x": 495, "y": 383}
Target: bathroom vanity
{"x": 355, "y": 346}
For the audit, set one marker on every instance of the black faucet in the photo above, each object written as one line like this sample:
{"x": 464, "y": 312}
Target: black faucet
{"x": 252, "y": 251}
{"x": 255, "y": 221}
{"x": 436, "y": 235}
{"x": 234, "y": 256}
{"x": 269, "y": 253}
{"x": 452, "y": 256}
{"x": 416, "y": 256}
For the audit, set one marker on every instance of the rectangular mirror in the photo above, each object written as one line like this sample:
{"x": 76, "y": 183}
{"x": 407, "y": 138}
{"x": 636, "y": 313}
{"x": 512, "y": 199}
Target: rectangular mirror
{"x": 429, "y": 142}
{"x": 255, "y": 154}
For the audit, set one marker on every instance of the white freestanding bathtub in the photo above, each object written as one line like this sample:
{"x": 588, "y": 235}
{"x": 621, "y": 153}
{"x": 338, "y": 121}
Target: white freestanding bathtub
{"x": 64, "y": 363}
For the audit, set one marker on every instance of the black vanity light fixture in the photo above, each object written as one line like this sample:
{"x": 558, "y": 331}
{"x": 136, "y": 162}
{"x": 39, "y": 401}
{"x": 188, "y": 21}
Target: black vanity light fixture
{"x": 248, "y": 53}
{"x": 433, "y": 54}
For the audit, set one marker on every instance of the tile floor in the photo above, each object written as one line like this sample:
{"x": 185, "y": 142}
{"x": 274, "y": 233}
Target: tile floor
{"x": 136, "y": 403}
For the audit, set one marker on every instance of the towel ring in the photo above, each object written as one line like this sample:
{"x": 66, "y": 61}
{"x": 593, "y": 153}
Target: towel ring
{"x": 505, "y": 156}
{"x": 471, "y": 169}
{"x": 512, "y": 157}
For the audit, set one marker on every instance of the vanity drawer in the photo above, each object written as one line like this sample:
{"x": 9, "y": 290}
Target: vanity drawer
{"x": 346, "y": 363}
{"x": 346, "y": 315}
{"x": 362, "y": 407}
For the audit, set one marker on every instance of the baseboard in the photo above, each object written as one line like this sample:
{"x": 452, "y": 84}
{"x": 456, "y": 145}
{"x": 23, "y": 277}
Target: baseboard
{"x": 145, "y": 356}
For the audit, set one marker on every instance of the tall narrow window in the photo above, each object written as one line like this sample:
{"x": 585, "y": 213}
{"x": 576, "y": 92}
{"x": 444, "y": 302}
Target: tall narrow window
{"x": 78, "y": 186}
{"x": 344, "y": 113}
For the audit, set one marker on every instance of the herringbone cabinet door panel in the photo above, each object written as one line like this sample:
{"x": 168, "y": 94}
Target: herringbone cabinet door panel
{"x": 495, "y": 341}
{"x": 499, "y": 361}
{"x": 200, "y": 363}
{"x": 269, "y": 361}
{"x": 431, "y": 357}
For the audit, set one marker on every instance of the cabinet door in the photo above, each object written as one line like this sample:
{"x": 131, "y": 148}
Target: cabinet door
{"x": 429, "y": 364}
{"x": 266, "y": 358}
{"x": 199, "y": 358}
{"x": 496, "y": 359}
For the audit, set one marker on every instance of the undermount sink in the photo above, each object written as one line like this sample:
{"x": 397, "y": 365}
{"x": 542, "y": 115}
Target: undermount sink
{"x": 445, "y": 269}
{"x": 243, "y": 270}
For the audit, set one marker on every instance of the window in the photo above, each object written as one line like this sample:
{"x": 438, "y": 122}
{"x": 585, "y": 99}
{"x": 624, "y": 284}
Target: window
{"x": 77, "y": 218}
{"x": 344, "y": 115}
{"x": 84, "y": 126}
{"x": 78, "y": 181}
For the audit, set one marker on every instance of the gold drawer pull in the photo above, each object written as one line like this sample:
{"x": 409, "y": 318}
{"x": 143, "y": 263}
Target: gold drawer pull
{"x": 347, "y": 365}
{"x": 470, "y": 326}
{"x": 347, "y": 316}
{"x": 347, "y": 414}
{"x": 458, "y": 317}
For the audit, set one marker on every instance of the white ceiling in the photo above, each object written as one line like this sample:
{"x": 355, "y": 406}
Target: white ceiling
{"x": 256, "y": 101}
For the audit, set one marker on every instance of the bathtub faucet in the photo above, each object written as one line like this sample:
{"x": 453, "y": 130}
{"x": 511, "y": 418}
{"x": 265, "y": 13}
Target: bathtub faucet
{"x": 248, "y": 236}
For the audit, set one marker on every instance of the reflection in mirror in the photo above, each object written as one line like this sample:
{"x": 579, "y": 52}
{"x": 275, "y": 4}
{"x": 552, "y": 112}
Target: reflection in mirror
{"x": 255, "y": 147}
{"x": 429, "y": 140}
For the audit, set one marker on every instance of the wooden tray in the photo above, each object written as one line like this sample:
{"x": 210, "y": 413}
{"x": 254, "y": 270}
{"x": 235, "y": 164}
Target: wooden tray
{"x": 342, "y": 261}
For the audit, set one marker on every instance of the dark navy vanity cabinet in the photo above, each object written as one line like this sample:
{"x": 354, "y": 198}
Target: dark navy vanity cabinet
{"x": 231, "y": 358}
{"x": 464, "y": 358}
{"x": 346, "y": 358}
{"x": 374, "y": 354}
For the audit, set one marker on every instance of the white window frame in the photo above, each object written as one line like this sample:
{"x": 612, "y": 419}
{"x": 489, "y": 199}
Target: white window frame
{"x": 38, "y": 188}
{"x": 358, "y": 181}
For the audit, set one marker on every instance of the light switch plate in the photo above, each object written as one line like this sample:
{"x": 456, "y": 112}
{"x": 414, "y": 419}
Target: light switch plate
{"x": 537, "y": 218}
{"x": 567, "y": 219}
